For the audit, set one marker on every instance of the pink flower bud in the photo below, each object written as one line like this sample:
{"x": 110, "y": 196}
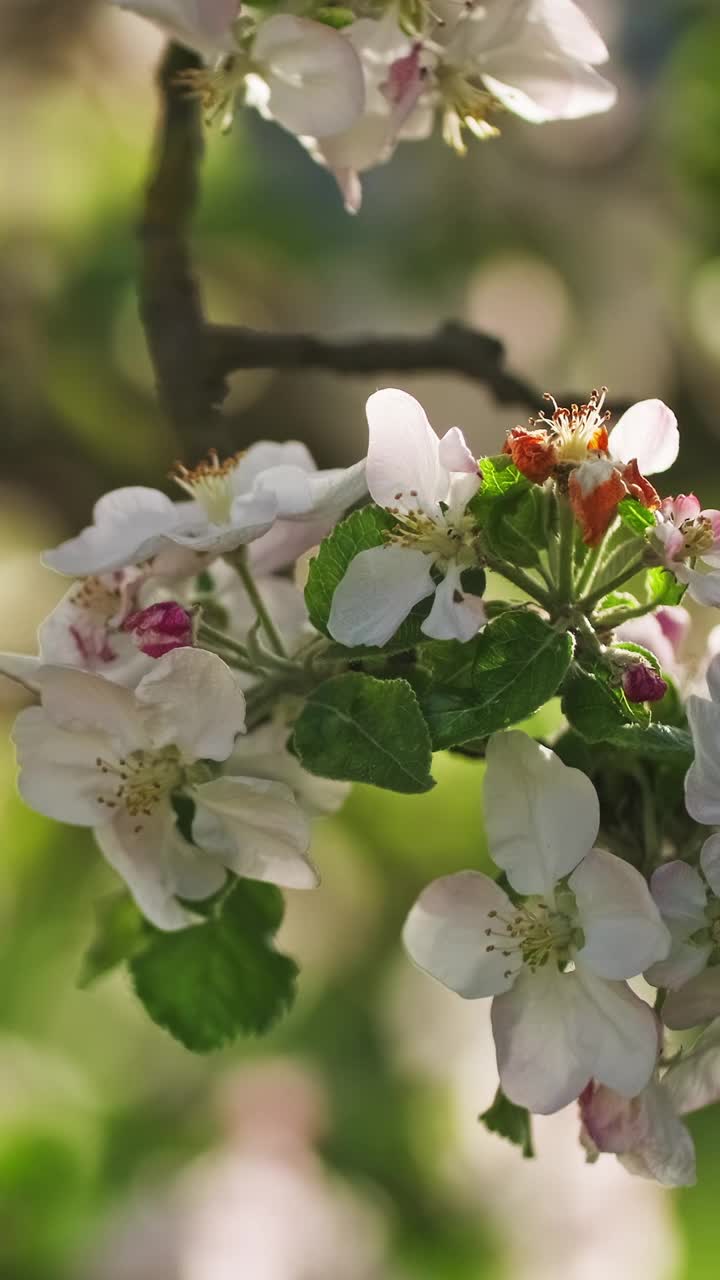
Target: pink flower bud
{"x": 160, "y": 628}
{"x": 641, "y": 683}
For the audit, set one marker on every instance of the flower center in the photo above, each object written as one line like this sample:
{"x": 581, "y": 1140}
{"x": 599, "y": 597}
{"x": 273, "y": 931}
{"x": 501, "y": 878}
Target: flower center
{"x": 142, "y": 780}
{"x": 537, "y": 930}
{"x": 699, "y": 536}
{"x": 211, "y": 484}
{"x": 464, "y": 107}
{"x": 578, "y": 430}
{"x": 444, "y": 538}
{"x": 216, "y": 87}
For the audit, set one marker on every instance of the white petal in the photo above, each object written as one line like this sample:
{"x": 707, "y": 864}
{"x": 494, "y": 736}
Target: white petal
{"x": 454, "y": 615}
{"x": 313, "y": 74}
{"x": 266, "y": 455}
{"x": 666, "y": 1152}
{"x": 702, "y": 784}
{"x": 693, "y": 1079}
{"x": 713, "y": 671}
{"x": 157, "y": 866}
{"x": 539, "y": 86}
{"x": 680, "y": 894}
{"x": 264, "y": 754}
{"x": 702, "y": 587}
{"x": 541, "y": 817}
{"x": 403, "y": 464}
{"x": 454, "y": 454}
{"x": 256, "y": 829}
{"x": 685, "y": 961}
{"x": 194, "y": 701}
{"x": 710, "y": 863}
{"x": 696, "y": 1002}
{"x": 282, "y": 545}
{"x": 251, "y": 516}
{"x": 21, "y": 668}
{"x": 80, "y": 702}
{"x": 534, "y": 1026}
{"x": 648, "y": 432}
{"x": 379, "y": 589}
{"x": 620, "y": 922}
{"x": 59, "y": 775}
{"x": 204, "y": 25}
{"x": 563, "y": 24}
{"x": 128, "y": 525}
{"x": 302, "y": 495}
{"x": 446, "y": 935}
{"x": 618, "y": 1033}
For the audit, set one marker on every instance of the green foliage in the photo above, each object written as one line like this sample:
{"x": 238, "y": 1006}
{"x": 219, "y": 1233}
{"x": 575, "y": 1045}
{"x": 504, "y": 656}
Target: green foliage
{"x": 511, "y": 1122}
{"x": 662, "y": 588}
{"x": 334, "y": 16}
{"x": 629, "y": 646}
{"x": 515, "y": 526}
{"x": 513, "y": 667}
{"x": 119, "y": 933}
{"x": 358, "y": 728}
{"x": 594, "y": 707}
{"x": 665, "y": 743}
{"x": 222, "y": 978}
{"x": 358, "y": 532}
{"x": 500, "y": 480}
{"x": 635, "y": 516}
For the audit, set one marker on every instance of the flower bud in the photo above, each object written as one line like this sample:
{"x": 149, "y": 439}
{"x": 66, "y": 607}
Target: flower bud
{"x": 642, "y": 683}
{"x": 160, "y": 628}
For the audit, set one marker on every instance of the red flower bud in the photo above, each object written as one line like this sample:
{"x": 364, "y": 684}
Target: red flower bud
{"x": 533, "y": 453}
{"x": 642, "y": 683}
{"x": 160, "y": 628}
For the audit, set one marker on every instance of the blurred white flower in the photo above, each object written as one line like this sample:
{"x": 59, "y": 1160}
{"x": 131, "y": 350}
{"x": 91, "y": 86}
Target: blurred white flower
{"x": 204, "y": 25}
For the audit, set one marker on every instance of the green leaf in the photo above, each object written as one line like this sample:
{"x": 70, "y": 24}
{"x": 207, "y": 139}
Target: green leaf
{"x": 500, "y": 480}
{"x": 334, "y": 16}
{"x": 120, "y": 931}
{"x": 513, "y": 667}
{"x": 662, "y": 588}
{"x": 214, "y": 981}
{"x": 511, "y": 1122}
{"x": 515, "y": 527}
{"x": 664, "y": 743}
{"x": 360, "y": 729}
{"x": 358, "y": 532}
{"x": 635, "y": 516}
{"x": 647, "y": 656}
{"x": 614, "y": 602}
{"x": 594, "y": 707}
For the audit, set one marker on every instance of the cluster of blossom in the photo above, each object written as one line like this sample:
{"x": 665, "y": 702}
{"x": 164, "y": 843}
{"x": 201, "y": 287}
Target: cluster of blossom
{"x": 173, "y": 678}
{"x": 351, "y": 81}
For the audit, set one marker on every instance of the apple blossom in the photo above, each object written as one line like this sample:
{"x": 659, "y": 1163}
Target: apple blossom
{"x": 204, "y": 25}
{"x": 642, "y": 683}
{"x": 689, "y": 903}
{"x": 160, "y": 628}
{"x": 305, "y": 75}
{"x": 645, "y": 1132}
{"x": 553, "y": 956}
{"x": 425, "y": 483}
{"x": 684, "y": 532}
{"x": 702, "y": 785}
{"x": 603, "y": 467}
{"x": 231, "y": 504}
{"x": 98, "y": 755}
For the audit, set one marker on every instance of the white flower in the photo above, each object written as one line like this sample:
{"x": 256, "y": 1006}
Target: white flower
{"x": 306, "y": 76}
{"x": 685, "y": 532}
{"x": 264, "y": 754}
{"x": 232, "y": 503}
{"x": 97, "y": 755}
{"x": 702, "y": 785}
{"x": 645, "y": 1133}
{"x": 426, "y": 483}
{"x": 690, "y": 906}
{"x": 555, "y": 956}
{"x": 204, "y": 25}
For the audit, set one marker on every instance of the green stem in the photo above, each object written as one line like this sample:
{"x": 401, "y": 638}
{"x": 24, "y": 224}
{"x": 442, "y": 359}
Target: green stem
{"x": 520, "y": 579}
{"x": 567, "y": 551}
{"x": 218, "y": 640}
{"x": 593, "y": 560}
{"x": 589, "y": 636}
{"x": 587, "y": 603}
{"x": 550, "y": 534}
{"x": 612, "y": 620}
{"x": 239, "y": 562}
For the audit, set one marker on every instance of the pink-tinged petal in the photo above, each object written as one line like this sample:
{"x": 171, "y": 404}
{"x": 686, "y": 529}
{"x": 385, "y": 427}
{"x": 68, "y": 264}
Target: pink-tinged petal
{"x": 685, "y": 507}
{"x": 713, "y": 557}
{"x": 314, "y": 76}
{"x": 59, "y": 775}
{"x": 710, "y": 863}
{"x": 379, "y": 589}
{"x": 645, "y": 1132}
{"x": 702, "y": 784}
{"x": 621, "y": 925}
{"x": 403, "y": 463}
{"x": 669, "y": 543}
{"x": 284, "y": 543}
{"x": 455, "y": 933}
{"x": 193, "y": 700}
{"x": 693, "y": 1078}
{"x": 679, "y": 894}
{"x": 642, "y": 683}
{"x": 618, "y": 1034}
{"x": 541, "y": 817}
{"x": 454, "y": 454}
{"x": 675, "y": 623}
{"x": 648, "y": 433}
{"x": 540, "y": 1062}
{"x": 648, "y": 632}
{"x": 158, "y": 866}
{"x": 160, "y": 628}
{"x": 702, "y": 587}
{"x": 82, "y": 702}
{"x": 128, "y": 526}
{"x": 455, "y": 615}
{"x": 613, "y": 1122}
{"x": 696, "y": 1002}
{"x": 256, "y": 829}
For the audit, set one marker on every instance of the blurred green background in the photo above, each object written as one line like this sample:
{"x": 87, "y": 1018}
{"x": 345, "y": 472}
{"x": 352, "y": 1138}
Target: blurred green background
{"x": 345, "y": 1147}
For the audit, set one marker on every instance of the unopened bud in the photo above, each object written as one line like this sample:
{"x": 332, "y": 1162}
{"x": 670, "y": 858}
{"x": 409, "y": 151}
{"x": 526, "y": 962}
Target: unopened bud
{"x": 642, "y": 683}
{"x": 160, "y": 628}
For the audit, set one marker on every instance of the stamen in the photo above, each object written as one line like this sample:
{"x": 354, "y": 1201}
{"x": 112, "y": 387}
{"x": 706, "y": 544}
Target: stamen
{"x": 210, "y": 484}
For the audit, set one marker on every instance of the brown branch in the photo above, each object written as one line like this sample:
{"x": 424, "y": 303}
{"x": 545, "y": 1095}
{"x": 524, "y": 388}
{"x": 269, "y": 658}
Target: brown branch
{"x": 170, "y": 302}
